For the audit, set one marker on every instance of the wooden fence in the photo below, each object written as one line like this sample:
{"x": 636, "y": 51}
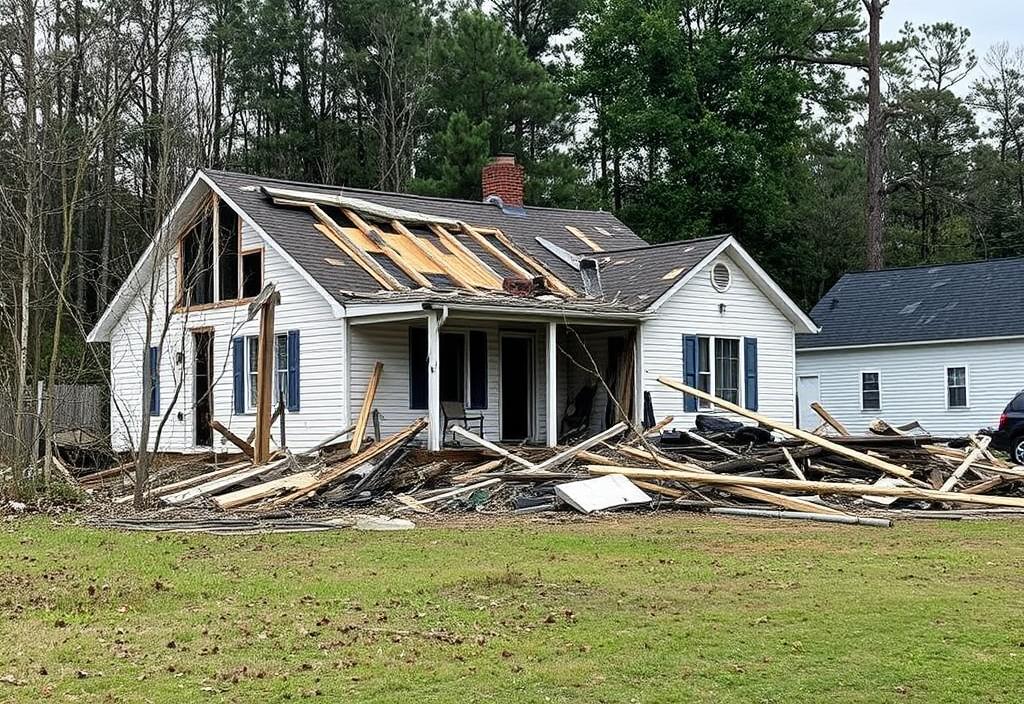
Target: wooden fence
{"x": 81, "y": 407}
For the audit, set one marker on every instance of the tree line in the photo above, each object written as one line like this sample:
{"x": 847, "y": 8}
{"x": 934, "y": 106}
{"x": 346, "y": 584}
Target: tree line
{"x": 683, "y": 117}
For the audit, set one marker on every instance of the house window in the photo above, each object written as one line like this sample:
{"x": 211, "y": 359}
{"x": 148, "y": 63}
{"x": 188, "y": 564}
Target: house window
{"x": 197, "y": 262}
{"x": 228, "y": 235}
{"x": 462, "y": 370}
{"x": 280, "y": 384}
{"x": 956, "y": 387}
{"x": 718, "y": 373}
{"x": 870, "y": 391}
{"x": 727, "y": 369}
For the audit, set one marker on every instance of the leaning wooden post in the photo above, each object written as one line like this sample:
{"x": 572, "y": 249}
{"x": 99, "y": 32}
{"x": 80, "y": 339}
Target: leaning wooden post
{"x": 264, "y": 304}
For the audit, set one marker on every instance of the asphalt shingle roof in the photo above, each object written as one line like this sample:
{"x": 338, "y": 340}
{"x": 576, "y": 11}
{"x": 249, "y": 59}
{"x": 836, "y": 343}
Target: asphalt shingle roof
{"x": 631, "y": 270}
{"x": 921, "y": 304}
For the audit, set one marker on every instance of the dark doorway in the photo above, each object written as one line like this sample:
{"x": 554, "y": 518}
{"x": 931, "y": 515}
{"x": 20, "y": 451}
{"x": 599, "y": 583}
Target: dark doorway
{"x": 203, "y": 387}
{"x": 516, "y": 387}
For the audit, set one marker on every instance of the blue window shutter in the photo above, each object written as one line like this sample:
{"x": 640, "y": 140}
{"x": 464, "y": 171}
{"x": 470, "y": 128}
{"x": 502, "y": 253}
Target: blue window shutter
{"x": 293, "y": 370}
{"x": 477, "y": 369}
{"x": 238, "y": 355}
{"x": 690, "y": 371}
{"x": 750, "y": 372}
{"x": 154, "y": 380}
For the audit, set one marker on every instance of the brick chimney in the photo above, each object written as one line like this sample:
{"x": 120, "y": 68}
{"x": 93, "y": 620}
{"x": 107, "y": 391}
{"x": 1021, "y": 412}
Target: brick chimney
{"x": 503, "y": 177}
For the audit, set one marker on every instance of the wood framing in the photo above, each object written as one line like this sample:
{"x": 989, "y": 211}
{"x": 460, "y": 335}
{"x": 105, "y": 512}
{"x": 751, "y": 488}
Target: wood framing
{"x": 367, "y": 407}
{"x": 378, "y": 239}
{"x": 582, "y": 237}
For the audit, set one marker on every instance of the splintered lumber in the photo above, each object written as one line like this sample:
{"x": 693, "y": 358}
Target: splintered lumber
{"x": 659, "y": 489}
{"x": 377, "y": 451}
{"x": 264, "y": 372}
{"x": 835, "y": 448}
{"x": 455, "y": 492}
{"x": 907, "y": 492}
{"x": 218, "y": 485}
{"x": 497, "y": 449}
{"x": 238, "y": 442}
{"x": 411, "y": 503}
{"x": 980, "y": 445}
{"x": 107, "y": 473}
{"x": 186, "y": 483}
{"x": 767, "y": 497}
{"x": 793, "y": 465}
{"x": 567, "y": 454}
{"x": 478, "y": 470}
{"x": 710, "y": 443}
{"x": 364, "y": 412}
{"x": 829, "y": 419}
{"x": 252, "y": 494}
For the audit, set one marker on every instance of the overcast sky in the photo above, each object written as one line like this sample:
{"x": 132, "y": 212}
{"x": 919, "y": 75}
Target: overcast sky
{"x": 990, "y": 21}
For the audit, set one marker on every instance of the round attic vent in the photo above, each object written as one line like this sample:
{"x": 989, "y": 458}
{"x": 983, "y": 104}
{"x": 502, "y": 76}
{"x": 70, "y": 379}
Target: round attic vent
{"x": 721, "y": 277}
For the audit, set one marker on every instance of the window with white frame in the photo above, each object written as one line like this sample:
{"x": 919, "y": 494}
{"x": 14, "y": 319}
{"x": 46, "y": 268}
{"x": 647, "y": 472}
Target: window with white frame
{"x": 956, "y": 387}
{"x": 870, "y": 391}
{"x": 252, "y": 367}
{"x": 718, "y": 368}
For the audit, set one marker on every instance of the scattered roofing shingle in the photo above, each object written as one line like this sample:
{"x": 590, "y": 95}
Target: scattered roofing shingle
{"x": 921, "y": 304}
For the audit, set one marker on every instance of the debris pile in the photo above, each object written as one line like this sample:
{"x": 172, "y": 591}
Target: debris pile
{"x": 765, "y": 469}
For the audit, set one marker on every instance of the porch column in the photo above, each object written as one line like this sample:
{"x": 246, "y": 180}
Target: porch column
{"x": 552, "y": 386}
{"x": 638, "y": 376}
{"x": 434, "y": 430}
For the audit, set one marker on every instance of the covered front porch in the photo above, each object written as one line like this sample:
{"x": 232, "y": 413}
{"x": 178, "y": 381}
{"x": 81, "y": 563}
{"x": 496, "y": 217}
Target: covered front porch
{"x": 537, "y": 377}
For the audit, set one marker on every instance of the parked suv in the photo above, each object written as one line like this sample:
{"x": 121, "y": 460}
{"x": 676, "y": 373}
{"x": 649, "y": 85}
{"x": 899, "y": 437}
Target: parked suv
{"x": 1009, "y": 435}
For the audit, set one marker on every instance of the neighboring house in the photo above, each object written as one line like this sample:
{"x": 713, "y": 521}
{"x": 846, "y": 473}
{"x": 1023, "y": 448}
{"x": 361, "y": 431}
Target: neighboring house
{"x": 941, "y": 345}
{"x": 503, "y": 310}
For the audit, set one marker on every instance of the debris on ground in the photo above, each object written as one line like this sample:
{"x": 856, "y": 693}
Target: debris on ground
{"x": 762, "y": 468}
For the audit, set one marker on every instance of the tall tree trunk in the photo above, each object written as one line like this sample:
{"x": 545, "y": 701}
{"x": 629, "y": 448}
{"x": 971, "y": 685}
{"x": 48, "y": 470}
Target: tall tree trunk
{"x": 875, "y": 252}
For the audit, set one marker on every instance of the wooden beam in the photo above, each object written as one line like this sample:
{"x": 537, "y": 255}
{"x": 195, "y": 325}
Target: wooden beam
{"x": 555, "y": 282}
{"x": 582, "y": 237}
{"x": 829, "y": 419}
{"x": 468, "y": 257}
{"x": 835, "y": 448}
{"x": 389, "y": 251}
{"x": 364, "y": 411}
{"x": 443, "y": 266}
{"x": 252, "y": 494}
{"x": 567, "y": 454}
{"x": 232, "y": 438}
{"x": 846, "y": 488}
{"x": 510, "y": 263}
{"x": 980, "y": 445}
{"x": 551, "y": 419}
{"x": 768, "y": 497}
{"x": 496, "y": 449}
{"x": 264, "y": 381}
{"x": 334, "y": 232}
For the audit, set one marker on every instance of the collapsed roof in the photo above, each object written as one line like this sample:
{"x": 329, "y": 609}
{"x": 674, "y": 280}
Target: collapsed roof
{"x": 369, "y": 245}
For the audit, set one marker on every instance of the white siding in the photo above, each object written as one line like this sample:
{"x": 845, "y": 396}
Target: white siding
{"x": 694, "y": 310}
{"x": 913, "y": 383}
{"x": 389, "y": 343}
{"x": 302, "y": 308}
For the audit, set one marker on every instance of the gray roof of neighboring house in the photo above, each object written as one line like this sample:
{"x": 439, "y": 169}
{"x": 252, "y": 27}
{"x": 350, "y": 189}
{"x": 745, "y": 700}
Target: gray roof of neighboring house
{"x": 631, "y": 270}
{"x": 921, "y": 304}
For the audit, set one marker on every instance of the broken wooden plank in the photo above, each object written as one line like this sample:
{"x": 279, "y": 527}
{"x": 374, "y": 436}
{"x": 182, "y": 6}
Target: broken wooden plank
{"x": 582, "y": 237}
{"x": 252, "y": 494}
{"x": 364, "y": 411}
{"x": 238, "y": 442}
{"x": 846, "y": 488}
{"x": 710, "y": 443}
{"x": 567, "y": 454}
{"x": 498, "y": 450}
{"x": 460, "y": 490}
{"x": 980, "y": 445}
{"x": 792, "y": 464}
{"x": 769, "y": 497}
{"x": 218, "y": 485}
{"x": 159, "y": 491}
{"x": 835, "y": 448}
{"x": 829, "y": 418}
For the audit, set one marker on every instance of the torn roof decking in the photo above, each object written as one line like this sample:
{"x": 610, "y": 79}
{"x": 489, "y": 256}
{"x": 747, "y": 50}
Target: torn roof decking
{"x": 631, "y": 271}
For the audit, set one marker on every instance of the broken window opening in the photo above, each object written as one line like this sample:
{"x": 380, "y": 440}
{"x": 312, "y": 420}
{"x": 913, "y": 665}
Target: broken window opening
{"x": 229, "y": 236}
{"x": 197, "y": 262}
{"x": 252, "y": 273}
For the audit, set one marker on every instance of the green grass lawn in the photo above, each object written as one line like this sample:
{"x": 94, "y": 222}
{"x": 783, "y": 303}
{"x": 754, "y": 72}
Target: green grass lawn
{"x": 672, "y": 608}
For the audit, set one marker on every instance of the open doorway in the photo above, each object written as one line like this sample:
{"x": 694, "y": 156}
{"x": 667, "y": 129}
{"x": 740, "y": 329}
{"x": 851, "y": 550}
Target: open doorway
{"x": 203, "y": 380}
{"x": 516, "y": 387}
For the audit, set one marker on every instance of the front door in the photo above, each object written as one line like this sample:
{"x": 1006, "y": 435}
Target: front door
{"x": 516, "y": 387}
{"x": 203, "y": 378}
{"x": 808, "y": 391}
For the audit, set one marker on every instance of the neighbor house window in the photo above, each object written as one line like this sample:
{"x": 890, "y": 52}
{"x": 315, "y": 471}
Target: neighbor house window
{"x": 956, "y": 387}
{"x": 870, "y": 391}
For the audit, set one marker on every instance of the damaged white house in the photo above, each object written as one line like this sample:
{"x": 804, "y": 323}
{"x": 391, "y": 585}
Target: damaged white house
{"x": 524, "y": 324}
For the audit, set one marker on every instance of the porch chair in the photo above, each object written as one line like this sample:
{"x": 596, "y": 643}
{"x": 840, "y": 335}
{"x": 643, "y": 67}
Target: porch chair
{"x": 455, "y": 412}
{"x": 577, "y": 415}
